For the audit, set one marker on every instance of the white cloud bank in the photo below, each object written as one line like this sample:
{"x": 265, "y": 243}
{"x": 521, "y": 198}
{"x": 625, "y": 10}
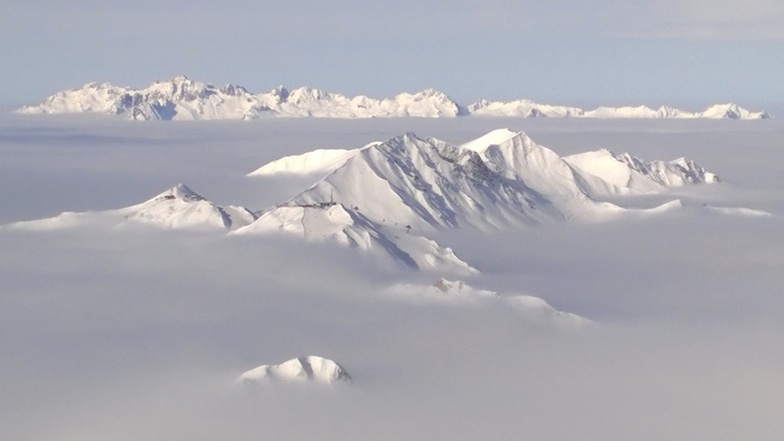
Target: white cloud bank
{"x": 132, "y": 335}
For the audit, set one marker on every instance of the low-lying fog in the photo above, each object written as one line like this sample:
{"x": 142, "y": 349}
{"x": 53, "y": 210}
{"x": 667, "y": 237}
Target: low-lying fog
{"x": 140, "y": 335}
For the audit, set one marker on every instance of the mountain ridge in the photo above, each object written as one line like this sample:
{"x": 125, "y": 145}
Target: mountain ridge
{"x": 181, "y": 98}
{"x": 388, "y": 199}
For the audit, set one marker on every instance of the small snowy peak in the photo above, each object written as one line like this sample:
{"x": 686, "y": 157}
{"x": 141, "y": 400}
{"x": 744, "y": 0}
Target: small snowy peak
{"x": 176, "y": 208}
{"x": 182, "y": 208}
{"x": 458, "y": 292}
{"x": 316, "y": 162}
{"x": 309, "y": 369}
{"x": 732, "y": 111}
{"x": 180, "y": 191}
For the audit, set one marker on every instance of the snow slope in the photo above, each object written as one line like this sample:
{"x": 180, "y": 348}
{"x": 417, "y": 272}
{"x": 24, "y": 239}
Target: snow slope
{"x": 309, "y": 369}
{"x": 348, "y": 227}
{"x": 315, "y": 162}
{"x": 610, "y": 174}
{"x": 531, "y": 308}
{"x": 184, "y": 99}
{"x": 176, "y": 208}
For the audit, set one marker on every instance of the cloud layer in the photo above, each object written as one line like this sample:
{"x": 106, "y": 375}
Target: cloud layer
{"x": 134, "y": 335}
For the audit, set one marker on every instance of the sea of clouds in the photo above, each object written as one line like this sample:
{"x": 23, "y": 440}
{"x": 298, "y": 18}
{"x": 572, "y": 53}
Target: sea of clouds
{"x": 138, "y": 335}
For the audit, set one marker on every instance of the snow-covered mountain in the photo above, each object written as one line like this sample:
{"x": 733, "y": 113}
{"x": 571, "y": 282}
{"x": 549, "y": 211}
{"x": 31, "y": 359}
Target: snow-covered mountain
{"x": 502, "y": 179}
{"x": 388, "y": 198}
{"x": 529, "y": 307}
{"x": 184, "y": 99}
{"x": 310, "y": 369}
{"x": 530, "y": 109}
{"x": 176, "y": 208}
{"x": 608, "y": 173}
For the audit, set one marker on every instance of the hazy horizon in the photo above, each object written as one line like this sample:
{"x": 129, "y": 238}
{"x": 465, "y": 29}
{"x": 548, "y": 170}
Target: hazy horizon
{"x": 560, "y": 52}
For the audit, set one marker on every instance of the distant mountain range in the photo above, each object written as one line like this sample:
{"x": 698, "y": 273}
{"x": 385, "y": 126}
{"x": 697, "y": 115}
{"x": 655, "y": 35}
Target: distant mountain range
{"x": 184, "y": 99}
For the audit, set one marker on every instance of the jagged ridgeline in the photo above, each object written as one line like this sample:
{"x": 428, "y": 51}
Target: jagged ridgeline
{"x": 184, "y": 99}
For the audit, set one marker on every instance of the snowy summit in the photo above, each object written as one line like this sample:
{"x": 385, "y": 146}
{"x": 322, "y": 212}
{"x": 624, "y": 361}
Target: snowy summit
{"x": 310, "y": 369}
{"x": 177, "y": 208}
{"x": 181, "y": 98}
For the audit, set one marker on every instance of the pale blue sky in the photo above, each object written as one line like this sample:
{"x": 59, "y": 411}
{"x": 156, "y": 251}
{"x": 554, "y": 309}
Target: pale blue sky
{"x": 566, "y": 52}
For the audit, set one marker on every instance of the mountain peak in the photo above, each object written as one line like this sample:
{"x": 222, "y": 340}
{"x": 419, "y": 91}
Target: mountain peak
{"x": 430, "y": 92}
{"x": 96, "y": 85}
{"x": 733, "y": 111}
{"x": 182, "y": 192}
{"x": 177, "y": 79}
{"x": 312, "y": 369}
{"x": 306, "y": 95}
